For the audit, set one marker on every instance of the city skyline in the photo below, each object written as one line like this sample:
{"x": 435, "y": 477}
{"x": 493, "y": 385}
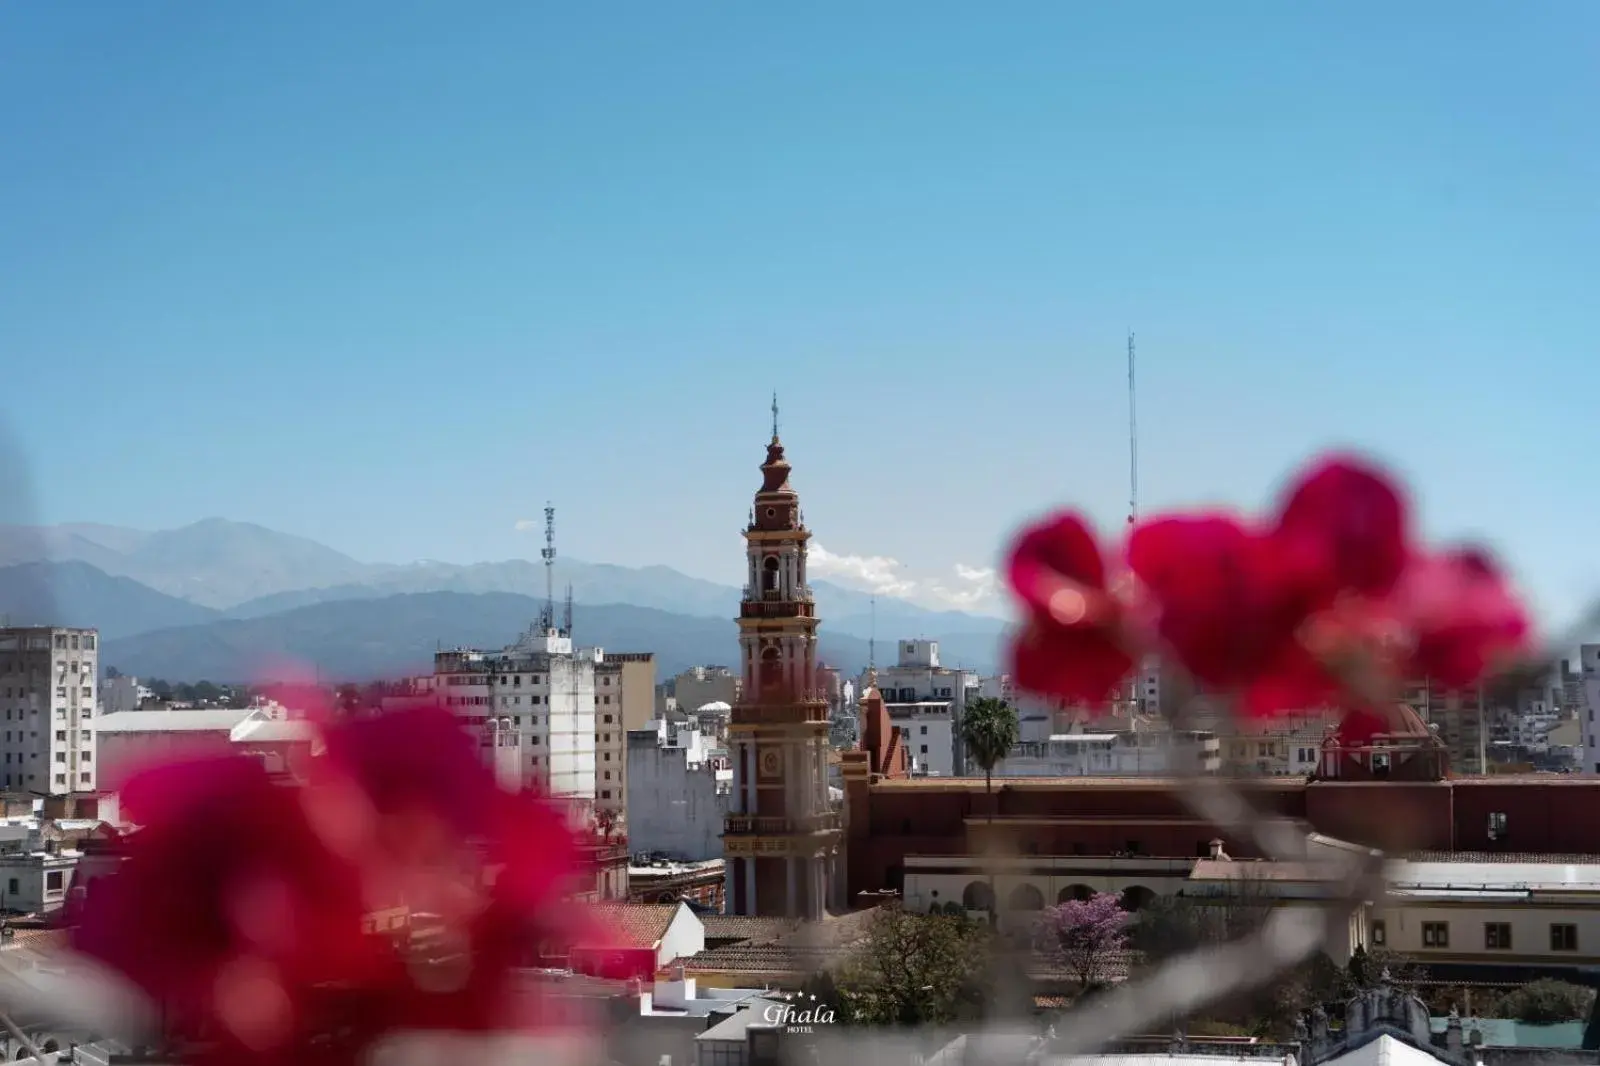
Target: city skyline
{"x": 390, "y": 280}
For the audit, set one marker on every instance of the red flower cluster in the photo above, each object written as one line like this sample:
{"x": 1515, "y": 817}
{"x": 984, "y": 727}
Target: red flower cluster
{"x": 241, "y": 904}
{"x": 1269, "y": 611}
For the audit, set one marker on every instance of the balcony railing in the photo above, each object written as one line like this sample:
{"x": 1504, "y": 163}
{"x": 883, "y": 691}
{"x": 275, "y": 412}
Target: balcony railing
{"x": 766, "y": 825}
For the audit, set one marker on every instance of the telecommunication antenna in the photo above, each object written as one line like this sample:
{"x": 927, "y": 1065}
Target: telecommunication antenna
{"x": 566, "y": 618}
{"x": 547, "y": 620}
{"x": 872, "y": 638}
{"x": 1133, "y": 440}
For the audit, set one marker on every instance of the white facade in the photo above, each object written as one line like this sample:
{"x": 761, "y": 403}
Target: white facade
{"x": 928, "y": 732}
{"x": 48, "y": 692}
{"x": 679, "y": 788}
{"x": 1514, "y": 912}
{"x": 541, "y": 689}
{"x": 1127, "y": 753}
{"x": 928, "y": 702}
{"x": 36, "y": 882}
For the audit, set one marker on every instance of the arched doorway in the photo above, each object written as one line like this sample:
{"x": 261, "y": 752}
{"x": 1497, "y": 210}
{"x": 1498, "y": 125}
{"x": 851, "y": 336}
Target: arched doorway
{"x": 1081, "y": 893}
{"x": 978, "y": 896}
{"x": 1135, "y": 898}
{"x": 1025, "y": 897}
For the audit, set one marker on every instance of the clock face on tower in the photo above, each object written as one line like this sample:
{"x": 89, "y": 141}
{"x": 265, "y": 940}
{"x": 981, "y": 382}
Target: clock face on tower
{"x": 771, "y": 763}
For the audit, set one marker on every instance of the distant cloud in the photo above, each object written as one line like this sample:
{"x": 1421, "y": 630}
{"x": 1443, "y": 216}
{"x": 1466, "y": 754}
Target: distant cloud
{"x": 963, "y": 588}
{"x": 872, "y": 573}
{"x": 526, "y": 524}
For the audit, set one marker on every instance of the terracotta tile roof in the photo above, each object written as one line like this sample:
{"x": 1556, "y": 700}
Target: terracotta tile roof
{"x": 640, "y": 925}
{"x": 1562, "y": 858}
{"x": 745, "y": 928}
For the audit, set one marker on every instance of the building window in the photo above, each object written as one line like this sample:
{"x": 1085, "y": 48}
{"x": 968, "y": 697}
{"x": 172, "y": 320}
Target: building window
{"x": 13, "y": 888}
{"x": 1497, "y": 936}
{"x": 1435, "y": 934}
{"x": 1497, "y": 826}
{"x": 52, "y": 881}
{"x": 605, "y": 794}
{"x": 1563, "y": 937}
{"x": 1380, "y": 933}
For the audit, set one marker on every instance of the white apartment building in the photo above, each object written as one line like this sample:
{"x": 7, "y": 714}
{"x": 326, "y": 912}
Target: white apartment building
{"x": 1589, "y": 672}
{"x": 1127, "y": 753}
{"x": 927, "y": 703}
{"x": 48, "y": 688}
{"x": 543, "y": 690}
{"x": 679, "y": 786}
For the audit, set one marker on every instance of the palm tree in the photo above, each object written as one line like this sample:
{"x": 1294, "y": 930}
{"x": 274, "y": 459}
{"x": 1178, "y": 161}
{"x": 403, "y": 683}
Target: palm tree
{"x": 989, "y": 732}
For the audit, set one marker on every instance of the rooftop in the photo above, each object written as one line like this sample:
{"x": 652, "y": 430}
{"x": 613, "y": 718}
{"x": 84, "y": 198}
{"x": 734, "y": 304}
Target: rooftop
{"x": 747, "y": 929}
{"x": 211, "y": 721}
{"x": 1051, "y": 784}
{"x": 632, "y": 924}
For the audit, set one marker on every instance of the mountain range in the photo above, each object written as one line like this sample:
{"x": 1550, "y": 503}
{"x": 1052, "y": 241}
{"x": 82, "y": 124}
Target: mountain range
{"x": 220, "y": 600}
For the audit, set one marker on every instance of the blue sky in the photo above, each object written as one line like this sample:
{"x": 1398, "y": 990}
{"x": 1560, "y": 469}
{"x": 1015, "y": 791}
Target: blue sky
{"x": 390, "y": 275}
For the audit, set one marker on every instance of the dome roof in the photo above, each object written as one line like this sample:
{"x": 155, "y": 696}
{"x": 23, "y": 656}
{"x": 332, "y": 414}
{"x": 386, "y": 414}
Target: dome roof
{"x": 1390, "y": 720}
{"x": 714, "y": 707}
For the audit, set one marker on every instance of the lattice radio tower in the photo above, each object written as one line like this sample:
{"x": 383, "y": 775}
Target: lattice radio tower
{"x": 1133, "y": 441}
{"x": 547, "y": 619}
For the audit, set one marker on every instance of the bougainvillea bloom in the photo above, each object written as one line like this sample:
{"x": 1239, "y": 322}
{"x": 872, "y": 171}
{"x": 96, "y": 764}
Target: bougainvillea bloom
{"x": 1462, "y": 617}
{"x": 1227, "y": 612}
{"x": 441, "y": 833}
{"x": 226, "y": 909}
{"x": 1342, "y": 529}
{"x": 1070, "y": 647}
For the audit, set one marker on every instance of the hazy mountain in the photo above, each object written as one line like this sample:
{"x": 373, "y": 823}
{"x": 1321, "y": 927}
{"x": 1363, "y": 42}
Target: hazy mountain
{"x": 251, "y": 572}
{"x": 358, "y": 639}
{"x": 653, "y": 586}
{"x": 214, "y": 562}
{"x": 77, "y": 594}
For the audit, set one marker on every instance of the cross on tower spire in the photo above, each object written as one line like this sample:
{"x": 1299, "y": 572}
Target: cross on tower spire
{"x": 774, "y": 415}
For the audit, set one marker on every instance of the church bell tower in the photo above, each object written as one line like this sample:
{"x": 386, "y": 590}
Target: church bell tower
{"x": 781, "y": 837}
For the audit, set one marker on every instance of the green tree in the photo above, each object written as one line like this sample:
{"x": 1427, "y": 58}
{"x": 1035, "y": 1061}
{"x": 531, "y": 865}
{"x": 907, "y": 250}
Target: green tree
{"x": 988, "y": 733}
{"x": 1371, "y": 967}
{"x": 1547, "y": 1002}
{"x": 915, "y": 969}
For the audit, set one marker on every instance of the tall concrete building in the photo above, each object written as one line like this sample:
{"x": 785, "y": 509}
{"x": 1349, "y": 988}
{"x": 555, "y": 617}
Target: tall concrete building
{"x": 1589, "y": 675}
{"x": 543, "y": 690}
{"x": 48, "y": 695}
{"x": 781, "y": 839}
{"x": 927, "y": 703}
{"x": 1461, "y": 719}
{"x": 625, "y": 697}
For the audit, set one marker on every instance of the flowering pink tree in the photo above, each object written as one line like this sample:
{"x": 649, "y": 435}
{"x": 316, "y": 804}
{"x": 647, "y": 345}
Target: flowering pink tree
{"x": 1082, "y": 936}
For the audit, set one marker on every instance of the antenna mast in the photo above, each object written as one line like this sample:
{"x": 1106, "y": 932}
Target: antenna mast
{"x": 1133, "y": 440}
{"x": 566, "y": 623}
{"x": 872, "y": 638}
{"x": 547, "y": 620}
